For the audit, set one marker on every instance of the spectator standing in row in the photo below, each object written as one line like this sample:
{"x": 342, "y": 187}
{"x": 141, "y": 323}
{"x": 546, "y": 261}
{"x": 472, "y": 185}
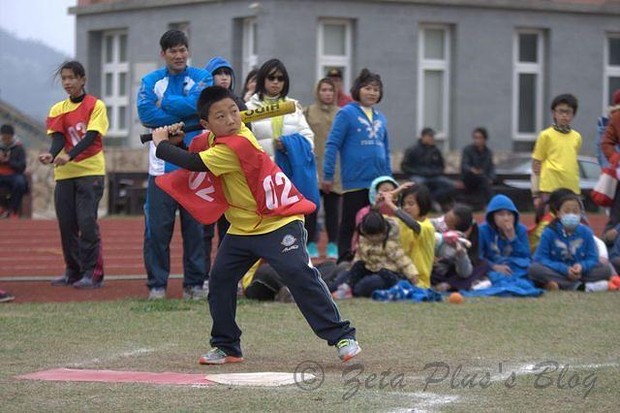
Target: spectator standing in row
{"x": 320, "y": 116}
{"x": 167, "y": 96}
{"x": 359, "y": 134}
{"x": 12, "y": 167}
{"x": 342, "y": 97}
{"x": 277, "y": 133}
{"x": 554, "y": 159}
{"x": 424, "y": 164}
{"x": 477, "y": 168}
{"x": 609, "y": 146}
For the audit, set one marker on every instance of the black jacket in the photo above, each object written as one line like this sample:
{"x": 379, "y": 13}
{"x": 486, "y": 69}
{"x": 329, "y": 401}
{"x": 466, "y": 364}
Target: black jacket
{"x": 17, "y": 156}
{"x": 423, "y": 160}
{"x": 473, "y": 158}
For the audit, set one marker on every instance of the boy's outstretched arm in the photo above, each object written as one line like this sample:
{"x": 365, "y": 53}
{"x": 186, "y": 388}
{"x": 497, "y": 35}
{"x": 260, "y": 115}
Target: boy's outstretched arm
{"x": 173, "y": 154}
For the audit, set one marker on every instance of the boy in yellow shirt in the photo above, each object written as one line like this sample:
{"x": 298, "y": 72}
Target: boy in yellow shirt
{"x": 554, "y": 159}
{"x": 265, "y": 212}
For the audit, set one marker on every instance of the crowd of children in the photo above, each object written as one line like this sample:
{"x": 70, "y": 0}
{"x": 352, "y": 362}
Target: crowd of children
{"x": 454, "y": 252}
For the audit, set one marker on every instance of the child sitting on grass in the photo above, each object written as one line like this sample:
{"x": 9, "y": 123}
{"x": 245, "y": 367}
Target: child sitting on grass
{"x": 567, "y": 257}
{"x": 503, "y": 240}
{"x": 457, "y": 266}
{"x": 417, "y": 233}
{"x": 266, "y": 213}
{"x": 380, "y": 261}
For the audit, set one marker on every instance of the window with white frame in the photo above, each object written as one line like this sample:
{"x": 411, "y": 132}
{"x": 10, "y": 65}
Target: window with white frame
{"x": 612, "y": 68}
{"x": 250, "y": 45}
{"x": 334, "y": 48}
{"x": 527, "y": 92}
{"x": 115, "y": 82}
{"x": 433, "y": 80}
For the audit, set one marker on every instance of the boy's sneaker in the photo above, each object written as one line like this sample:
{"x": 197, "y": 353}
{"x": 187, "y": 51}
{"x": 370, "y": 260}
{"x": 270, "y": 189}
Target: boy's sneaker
{"x": 313, "y": 250}
{"x": 63, "y": 281}
{"x": 343, "y": 292}
{"x": 552, "y": 286}
{"x": 332, "y": 251}
{"x": 87, "y": 284}
{"x": 195, "y": 293}
{"x": 157, "y": 294}
{"x": 217, "y": 356}
{"x": 5, "y": 297}
{"x": 347, "y": 349}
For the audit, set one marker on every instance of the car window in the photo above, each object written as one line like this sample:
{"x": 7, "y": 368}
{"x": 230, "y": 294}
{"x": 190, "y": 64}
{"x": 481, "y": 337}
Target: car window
{"x": 589, "y": 170}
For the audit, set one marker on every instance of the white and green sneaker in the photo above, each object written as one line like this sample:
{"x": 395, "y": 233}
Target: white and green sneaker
{"x": 217, "y": 356}
{"x": 347, "y": 349}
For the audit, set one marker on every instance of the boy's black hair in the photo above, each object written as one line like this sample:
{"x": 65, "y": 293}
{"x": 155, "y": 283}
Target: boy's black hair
{"x": 422, "y": 197}
{"x": 7, "y": 129}
{"x": 173, "y": 38}
{"x": 208, "y": 97}
{"x": 483, "y": 132}
{"x": 270, "y": 67}
{"x": 374, "y": 223}
{"x": 464, "y": 217}
{"x": 567, "y": 99}
{"x": 222, "y": 70}
{"x": 76, "y": 67}
{"x": 366, "y": 77}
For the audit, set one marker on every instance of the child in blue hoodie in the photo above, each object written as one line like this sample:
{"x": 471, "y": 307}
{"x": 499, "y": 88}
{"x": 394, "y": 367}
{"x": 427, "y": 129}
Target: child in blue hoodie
{"x": 567, "y": 257}
{"x": 503, "y": 240}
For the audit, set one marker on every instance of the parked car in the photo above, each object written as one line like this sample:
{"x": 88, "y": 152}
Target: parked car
{"x": 513, "y": 178}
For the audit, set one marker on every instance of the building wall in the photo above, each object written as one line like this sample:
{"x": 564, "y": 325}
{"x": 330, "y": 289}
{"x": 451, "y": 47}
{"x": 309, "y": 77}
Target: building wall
{"x": 385, "y": 41}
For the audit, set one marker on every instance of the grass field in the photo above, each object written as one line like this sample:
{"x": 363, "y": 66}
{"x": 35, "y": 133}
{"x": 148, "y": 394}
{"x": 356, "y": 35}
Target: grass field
{"x": 560, "y": 352}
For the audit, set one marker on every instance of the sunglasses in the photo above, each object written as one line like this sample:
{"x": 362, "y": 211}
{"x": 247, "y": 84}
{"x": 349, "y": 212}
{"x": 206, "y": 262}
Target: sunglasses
{"x": 273, "y": 78}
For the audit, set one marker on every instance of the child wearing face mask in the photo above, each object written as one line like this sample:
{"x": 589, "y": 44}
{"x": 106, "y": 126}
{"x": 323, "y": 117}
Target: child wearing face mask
{"x": 567, "y": 257}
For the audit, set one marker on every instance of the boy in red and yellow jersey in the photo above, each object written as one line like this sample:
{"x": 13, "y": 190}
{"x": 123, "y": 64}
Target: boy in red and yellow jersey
{"x": 265, "y": 212}
{"x": 77, "y": 126}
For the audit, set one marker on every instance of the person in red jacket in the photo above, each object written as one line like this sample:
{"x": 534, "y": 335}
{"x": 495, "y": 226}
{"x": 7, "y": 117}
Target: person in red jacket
{"x": 609, "y": 140}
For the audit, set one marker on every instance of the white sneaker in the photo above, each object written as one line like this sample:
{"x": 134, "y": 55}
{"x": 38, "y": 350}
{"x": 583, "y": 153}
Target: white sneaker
{"x": 157, "y": 294}
{"x": 195, "y": 293}
{"x": 596, "y": 286}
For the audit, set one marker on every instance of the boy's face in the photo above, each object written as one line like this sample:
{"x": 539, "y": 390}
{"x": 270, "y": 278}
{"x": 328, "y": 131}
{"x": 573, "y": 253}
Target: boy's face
{"x": 224, "y": 118}
{"x": 176, "y": 58}
{"x": 72, "y": 83}
{"x": 570, "y": 207}
{"x": 563, "y": 115}
{"x": 479, "y": 140}
{"x": 504, "y": 219}
{"x": 385, "y": 187}
{"x": 369, "y": 94}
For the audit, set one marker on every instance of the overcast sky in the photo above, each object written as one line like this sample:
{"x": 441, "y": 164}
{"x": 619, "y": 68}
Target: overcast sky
{"x": 44, "y": 20}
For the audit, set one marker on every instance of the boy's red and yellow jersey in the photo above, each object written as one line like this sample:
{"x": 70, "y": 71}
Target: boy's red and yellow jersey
{"x": 73, "y": 120}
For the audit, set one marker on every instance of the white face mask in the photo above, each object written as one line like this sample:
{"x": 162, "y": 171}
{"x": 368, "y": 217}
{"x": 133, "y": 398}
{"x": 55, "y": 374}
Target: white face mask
{"x": 570, "y": 221}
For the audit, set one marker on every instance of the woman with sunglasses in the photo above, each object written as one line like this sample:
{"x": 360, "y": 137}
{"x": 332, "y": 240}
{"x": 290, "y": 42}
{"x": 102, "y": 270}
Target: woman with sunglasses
{"x": 290, "y": 131}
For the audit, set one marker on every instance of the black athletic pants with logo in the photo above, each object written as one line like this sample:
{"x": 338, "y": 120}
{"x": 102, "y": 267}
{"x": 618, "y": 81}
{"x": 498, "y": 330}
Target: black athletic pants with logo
{"x": 285, "y": 250}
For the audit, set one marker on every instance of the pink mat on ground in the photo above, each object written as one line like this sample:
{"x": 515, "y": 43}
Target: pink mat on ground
{"x": 113, "y": 376}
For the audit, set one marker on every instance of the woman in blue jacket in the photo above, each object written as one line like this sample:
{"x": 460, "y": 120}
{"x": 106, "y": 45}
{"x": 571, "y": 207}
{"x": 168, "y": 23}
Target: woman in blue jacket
{"x": 567, "y": 257}
{"x": 359, "y": 134}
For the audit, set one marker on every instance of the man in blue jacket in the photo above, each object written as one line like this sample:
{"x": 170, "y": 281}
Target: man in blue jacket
{"x": 168, "y": 95}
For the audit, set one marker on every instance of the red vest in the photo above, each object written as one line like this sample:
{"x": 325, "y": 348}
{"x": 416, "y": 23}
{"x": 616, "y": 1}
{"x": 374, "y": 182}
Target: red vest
{"x": 74, "y": 126}
{"x": 201, "y": 194}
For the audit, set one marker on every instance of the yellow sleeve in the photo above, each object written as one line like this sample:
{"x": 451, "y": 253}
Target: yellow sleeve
{"x": 99, "y": 119}
{"x": 220, "y": 160}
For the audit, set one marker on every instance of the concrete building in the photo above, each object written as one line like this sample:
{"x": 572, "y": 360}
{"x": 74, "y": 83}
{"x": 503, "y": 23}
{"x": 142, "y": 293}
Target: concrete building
{"x": 449, "y": 64}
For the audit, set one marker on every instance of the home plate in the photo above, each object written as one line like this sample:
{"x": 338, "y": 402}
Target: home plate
{"x": 113, "y": 376}
{"x": 268, "y": 379}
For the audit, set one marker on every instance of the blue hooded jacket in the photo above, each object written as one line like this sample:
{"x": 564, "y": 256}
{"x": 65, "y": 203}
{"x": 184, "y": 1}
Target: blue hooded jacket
{"x": 363, "y": 145}
{"x": 219, "y": 62}
{"x": 498, "y": 249}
